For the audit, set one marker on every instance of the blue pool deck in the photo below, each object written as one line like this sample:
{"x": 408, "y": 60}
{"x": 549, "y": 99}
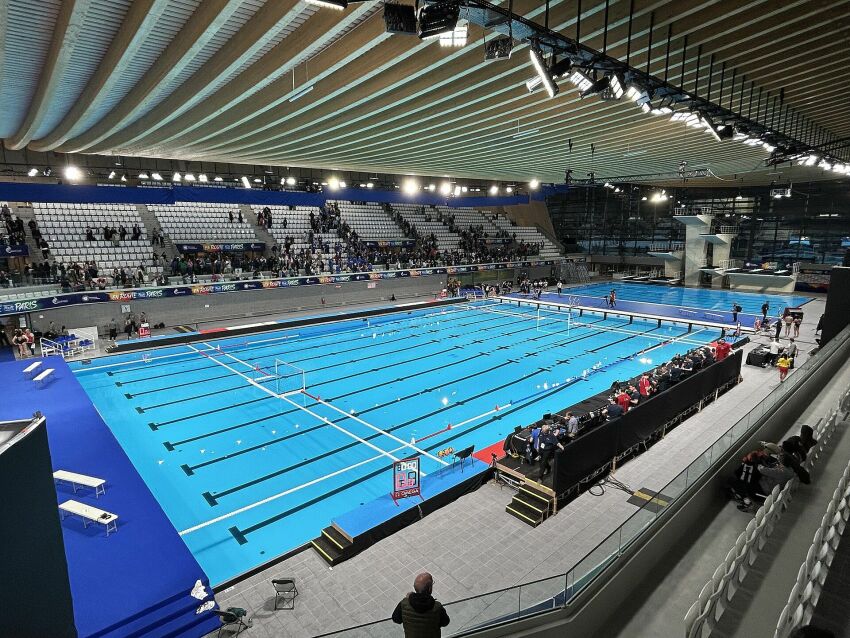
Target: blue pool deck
{"x": 138, "y": 576}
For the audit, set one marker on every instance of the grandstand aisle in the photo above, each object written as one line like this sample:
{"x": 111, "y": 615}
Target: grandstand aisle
{"x": 663, "y": 597}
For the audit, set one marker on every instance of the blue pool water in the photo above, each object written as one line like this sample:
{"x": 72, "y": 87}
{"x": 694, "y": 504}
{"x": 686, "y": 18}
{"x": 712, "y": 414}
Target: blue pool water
{"x": 221, "y": 452}
{"x": 702, "y": 298}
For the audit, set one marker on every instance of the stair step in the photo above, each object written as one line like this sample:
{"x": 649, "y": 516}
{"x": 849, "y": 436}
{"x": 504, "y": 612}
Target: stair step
{"x": 335, "y": 537}
{"x": 523, "y": 512}
{"x": 329, "y": 552}
{"x": 538, "y": 505}
{"x": 537, "y": 494}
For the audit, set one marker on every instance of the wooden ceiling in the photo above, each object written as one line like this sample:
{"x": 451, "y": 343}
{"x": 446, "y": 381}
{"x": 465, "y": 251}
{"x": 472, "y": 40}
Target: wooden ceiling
{"x": 224, "y": 80}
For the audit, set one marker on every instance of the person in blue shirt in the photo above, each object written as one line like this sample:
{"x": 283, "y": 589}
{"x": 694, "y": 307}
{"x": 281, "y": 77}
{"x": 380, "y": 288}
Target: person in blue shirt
{"x": 532, "y": 445}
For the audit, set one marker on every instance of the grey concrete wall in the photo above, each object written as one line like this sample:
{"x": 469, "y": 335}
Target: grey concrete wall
{"x": 252, "y": 304}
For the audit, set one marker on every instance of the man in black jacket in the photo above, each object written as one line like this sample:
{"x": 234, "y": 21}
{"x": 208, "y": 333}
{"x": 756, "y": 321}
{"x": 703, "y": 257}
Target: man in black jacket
{"x": 418, "y": 612}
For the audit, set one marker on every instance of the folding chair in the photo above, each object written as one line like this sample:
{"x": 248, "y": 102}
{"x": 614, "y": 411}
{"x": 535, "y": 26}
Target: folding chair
{"x": 230, "y": 617}
{"x": 285, "y": 590}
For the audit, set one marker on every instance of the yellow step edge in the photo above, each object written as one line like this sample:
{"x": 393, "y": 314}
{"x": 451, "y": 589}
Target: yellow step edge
{"x": 651, "y": 499}
{"x": 331, "y": 539}
{"x": 322, "y": 552}
{"x": 542, "y": 498}
{"x": 530, "y": 520}
{"x": 536, "y": 509}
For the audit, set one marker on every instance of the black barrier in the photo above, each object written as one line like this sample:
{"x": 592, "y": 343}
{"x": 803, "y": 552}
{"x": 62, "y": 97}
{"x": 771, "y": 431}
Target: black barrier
{"x": 596, "y": 449}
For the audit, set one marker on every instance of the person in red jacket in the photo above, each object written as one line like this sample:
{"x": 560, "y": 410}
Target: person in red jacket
{"x": 624, "y": 401}
{"x": 644, "y": 385}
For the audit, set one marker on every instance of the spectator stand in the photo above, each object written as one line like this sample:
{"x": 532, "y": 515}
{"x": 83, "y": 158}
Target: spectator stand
{"x": 74, "y": 344}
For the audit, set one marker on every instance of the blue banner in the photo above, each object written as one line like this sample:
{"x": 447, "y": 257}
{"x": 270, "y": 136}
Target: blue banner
{"x": 222, "y": 248}
{"x": 20, "y": 250}
{"x": 137, "y": 294}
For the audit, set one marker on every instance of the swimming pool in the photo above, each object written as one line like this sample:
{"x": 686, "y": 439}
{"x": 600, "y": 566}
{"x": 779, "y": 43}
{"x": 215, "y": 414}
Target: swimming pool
{"x": 205, "y": 428}
{"x": 702, "y": 298}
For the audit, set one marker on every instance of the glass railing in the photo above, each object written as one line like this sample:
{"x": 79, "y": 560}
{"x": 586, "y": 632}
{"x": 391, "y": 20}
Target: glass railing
{"x": 540, "y": 596}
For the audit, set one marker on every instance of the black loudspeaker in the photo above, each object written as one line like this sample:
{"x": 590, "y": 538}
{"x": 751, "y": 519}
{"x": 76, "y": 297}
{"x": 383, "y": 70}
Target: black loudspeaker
{"x": 837, "y": 314}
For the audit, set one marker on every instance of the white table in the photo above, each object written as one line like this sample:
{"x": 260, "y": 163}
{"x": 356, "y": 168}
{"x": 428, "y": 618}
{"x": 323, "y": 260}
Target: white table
{"x": 89, "y": 514}
{"x": 81, "y": 480}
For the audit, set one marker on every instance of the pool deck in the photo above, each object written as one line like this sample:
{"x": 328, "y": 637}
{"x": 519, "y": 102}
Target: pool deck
{"x": 473, "y": 546}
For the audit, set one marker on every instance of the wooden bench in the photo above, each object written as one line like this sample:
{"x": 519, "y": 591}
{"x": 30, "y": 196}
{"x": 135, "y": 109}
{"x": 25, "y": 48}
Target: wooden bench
{"x": 89, "y": 514}
{"x": 31, "y": 368}
{"x": 41, "y": 378}
{"x": 81, "y": 480}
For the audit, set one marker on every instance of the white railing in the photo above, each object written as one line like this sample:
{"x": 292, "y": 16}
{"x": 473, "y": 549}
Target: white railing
{"x": 728, "y": 230}
{"x": 693, "y": 210}
{"x": 795, "y": 268}
{"x": 667, "y": 247}
{"x": 726, "y": 264}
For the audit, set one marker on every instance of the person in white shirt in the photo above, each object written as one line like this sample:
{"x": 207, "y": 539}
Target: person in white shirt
{"x": 774, "y": 351}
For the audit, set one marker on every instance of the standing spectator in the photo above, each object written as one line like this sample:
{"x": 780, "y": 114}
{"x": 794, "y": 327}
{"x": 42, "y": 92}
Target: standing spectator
{"x": 113, "y": 329}
{"x": 788, "y": 319}
{"x": 798, "y": 321}
{"x": 418, "y": 612}
{"x": 560, "y": 287}
{"x": 240, "y": 216}
{"x": 735, "y": 310}
{"x": 774, "y": 351}
{"x": 764, "y": 308}
{"x": 30, "y": 337}
{"x": 230, "y": 216}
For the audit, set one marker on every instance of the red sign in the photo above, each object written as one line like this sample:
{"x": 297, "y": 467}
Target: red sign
{"x": 406, "y": 478}
{"x": 144, "y": 330}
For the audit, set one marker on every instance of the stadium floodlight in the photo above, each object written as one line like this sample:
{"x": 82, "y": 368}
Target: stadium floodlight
{"x": 246, "y": 182}
{"x": 709, "y": 125}
{"x": 616, "y": 88}
{"x": 370, "y": 185}
{"x": 111, "y": 175}
{"x": 445, "y": 188}
{"x": 156, "y": 177}
{"x": 123, "y": 178}
{"x": 333, "y": 183}
{"x": 410, "y": 186}
{"x": 457, "y": 191}
{"x": 400, "y": 18}
{"x": 203, "y": 178}
{"x": 32, "y": 172}
{"x": 143, "y": 175}
{"x": 534, "y": 183}
{"x": 543, "y": 73}
{"x": 218, "y": 178}
{"x": 498, "y": 48}
{"x": 189, "y": 177}
{"x": 582, "y": 82}
{"x": 433, "y": 20}
{"x": 338, "y": 5}
{"x": 638, "y": 94}
{"x": 457, "y": 38}
{"x": 342, "y": 184}
{"x": 597, "y": 86}
{"x": 432, "y": 187}
{"x": 73, "y": 173}
{"x": 176, "y": 177}
{"x": 494, "y": 190}
{"x": 509, "y": 189}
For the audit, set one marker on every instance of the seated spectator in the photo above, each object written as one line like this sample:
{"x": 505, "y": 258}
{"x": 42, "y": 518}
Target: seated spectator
{"x": 634, "y": 396}
{"x": 775, "y": 474}
{"x": 807, "y": 437}
{"x": 744, "y": 484}
{"x": 645, "y": 385}
{"x": 624, "y": 400}
{"x": 613, "y": 410}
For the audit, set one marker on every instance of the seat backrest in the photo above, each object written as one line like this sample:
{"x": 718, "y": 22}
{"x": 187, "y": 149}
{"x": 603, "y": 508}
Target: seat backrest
{"x": 283, "y": 584}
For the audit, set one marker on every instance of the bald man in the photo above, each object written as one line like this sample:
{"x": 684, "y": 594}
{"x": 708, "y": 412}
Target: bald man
{"x": 418, "y": 612}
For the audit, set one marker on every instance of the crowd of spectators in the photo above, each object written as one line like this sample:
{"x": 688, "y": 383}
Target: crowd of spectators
{"x": 114, "y": 235}
{"x": 771, "y": 465}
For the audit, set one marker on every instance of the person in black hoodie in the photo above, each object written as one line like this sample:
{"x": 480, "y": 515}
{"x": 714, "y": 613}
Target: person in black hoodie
{"x": 418, "y": 612}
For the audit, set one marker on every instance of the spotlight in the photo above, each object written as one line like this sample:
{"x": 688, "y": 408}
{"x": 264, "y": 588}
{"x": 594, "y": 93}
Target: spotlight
{"x": 400, "y": 18}
{"x": 47, "y": 172}
{"x": 291, "y": 181}
{"x": 410, "y": 187}
{"x": 457, "y": 191}
{"x": 432, "y": 187}
{"x": 143, "y": 176}
{"x": 498, "y": 48}
{"x": 202, "y": 178}
{"x": 338, "y": 5}
{"x": 189, "y": 177}
{"x": 341, "y": 184}
{"x": 509, "y": 189}
{"x": 156, "y": 176}
{"x": 73, "y": 173}
{"x": 123, "y": 178}
{"x": 218, "y": 178}
{"x": 597, "y": 86}
{"x": 494, "y": 190}
{"x": 369, "y": 185}
{"x": 543, "y": 73}
{"x": 333, "y": 183}
{"x": 464, "y": 188}
{"x": 534, "y": 183}
{"x": 176, "y": 177}
{"x": 32, "y": 172}
{"x": 616, "y": 90}
{"x": 434, "y": 20}
{"x": 246, "y": 182}
{"x": 111, "y": 175}
{"x": 457, "y": 38}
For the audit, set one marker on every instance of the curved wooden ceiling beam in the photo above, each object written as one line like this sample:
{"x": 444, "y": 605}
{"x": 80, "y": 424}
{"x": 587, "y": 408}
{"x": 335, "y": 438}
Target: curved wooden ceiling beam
{"x": 281, "y": 59}
{"x": 120, "y": 129}
{"x": 66, "y": 33}
{"x": 137, "y": 25}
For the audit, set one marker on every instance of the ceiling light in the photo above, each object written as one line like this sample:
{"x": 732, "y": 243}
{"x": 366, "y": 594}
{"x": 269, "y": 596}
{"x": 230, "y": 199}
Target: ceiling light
{"x": 112, "y": 175}
{"x": 123, "y": 178}
{"x": 410, "y": 186}
{"x": 32, "y": 172}
{"x": 581, "y": 81}
{"x": 156, "y": 176}
{"x": 246, "y": 182}
{"x": 432, "y": 187}
{"x": 399, "y": 18}
{"x": 257, "y": 180}
{"x": 143, "y": 176}
{"x": 189, "y": 177}
{"x": 616, "y": 88}
{"x": 739, "y": 197}
{"x": 464, "y": 188}
{"x": 333, "y": 183}
{"x": 494, "y": 190}
{"x": 338, "y": 5}
{"x": 596, "y": 86}
{"x": 217, "y": 178}
{"x": 342, "y": 184}
{"x": 456, "y": 37}
{"x": 175, "y": 177}
{"x": 509, "y": 189}
{"x": 433, "y": 20}
{"x": 445, "y": 188}
{"x": 533, "y": 184}
{"x": 202, "y": 177}
{"x": 499, "y": 48}
{"x": 369, "y": 185}
{"x": 539, "y": 63}
{"x": 301, "y": 92}
{"x": 457, "y": 191}
{"x": 73, "y": 173}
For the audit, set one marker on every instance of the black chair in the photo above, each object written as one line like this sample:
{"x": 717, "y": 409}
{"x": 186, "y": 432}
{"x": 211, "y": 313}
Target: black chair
{"x": 463, "y": 455}
{"x": 285, "y": 590}
{"x": 230, "y": 617}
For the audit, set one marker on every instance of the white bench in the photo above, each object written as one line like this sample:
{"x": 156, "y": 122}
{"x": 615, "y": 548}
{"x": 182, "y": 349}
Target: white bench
{"x": 41, "y": 378}
{"x": 89, "y": 514}
{"x": 31, "y": 368}
{"x": 81, "y": 480}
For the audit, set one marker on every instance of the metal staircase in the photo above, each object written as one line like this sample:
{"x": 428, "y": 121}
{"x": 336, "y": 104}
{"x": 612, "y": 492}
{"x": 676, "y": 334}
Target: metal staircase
{"x": 261, "y": 232}
{"x": 150, "y": 223}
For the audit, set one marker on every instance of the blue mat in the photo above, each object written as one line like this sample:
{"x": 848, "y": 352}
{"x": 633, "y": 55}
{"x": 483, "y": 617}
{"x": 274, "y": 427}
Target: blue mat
{"x": 6, "y": 354}
{"x": 137, "y": 581}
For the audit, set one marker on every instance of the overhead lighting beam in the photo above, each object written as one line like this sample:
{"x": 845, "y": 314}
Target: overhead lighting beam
{"x": 542, "y": 69}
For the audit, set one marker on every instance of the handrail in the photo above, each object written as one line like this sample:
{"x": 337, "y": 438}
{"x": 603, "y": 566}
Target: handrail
{"x": 565, "y": 586}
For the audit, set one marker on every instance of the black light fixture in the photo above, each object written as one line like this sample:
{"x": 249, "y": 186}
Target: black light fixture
{"x": 400, "y": 18}
{"x": 434, "y": 20}
{"x": 542, "y": 69}
{"x": 498, "y": 48}
{"x": 597, "y": 86}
